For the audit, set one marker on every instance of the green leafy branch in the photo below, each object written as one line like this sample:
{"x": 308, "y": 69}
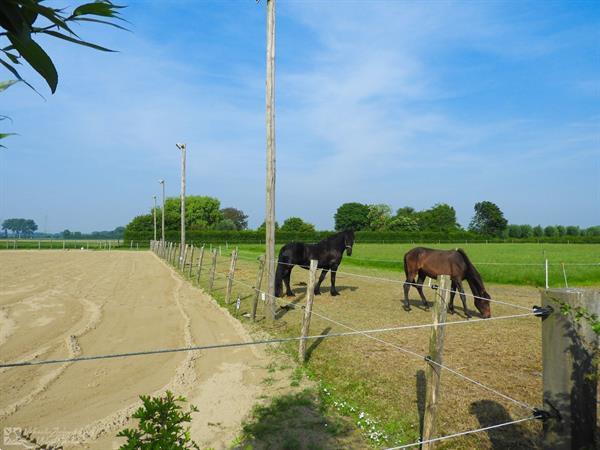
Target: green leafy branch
{"x": 18, "y": 18}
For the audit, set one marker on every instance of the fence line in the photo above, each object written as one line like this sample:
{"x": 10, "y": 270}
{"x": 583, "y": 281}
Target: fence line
{"x": 195, "y": 348}
{"x": 463, "y": 433}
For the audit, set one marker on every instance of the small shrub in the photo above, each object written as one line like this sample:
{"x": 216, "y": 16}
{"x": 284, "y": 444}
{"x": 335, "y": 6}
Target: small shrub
{"x": 161, "y": 425}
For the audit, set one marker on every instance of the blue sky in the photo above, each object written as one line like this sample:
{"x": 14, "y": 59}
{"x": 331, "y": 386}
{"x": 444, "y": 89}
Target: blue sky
{"x": 404, "y": 103}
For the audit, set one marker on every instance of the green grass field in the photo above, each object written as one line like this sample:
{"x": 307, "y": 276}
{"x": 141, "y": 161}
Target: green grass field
{"x": 518, "y": 264}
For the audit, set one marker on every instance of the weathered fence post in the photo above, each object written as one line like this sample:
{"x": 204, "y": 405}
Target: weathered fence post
{"x": 40, "y": 247}
{"x": 63, "y": 244}
{"x": 183, "y": 257}
{"x": 213, "y": 270}
{"x": 570, "y": 368}
{"x": 230, "y": 276}
{"x": 200, "y": 264}
{"x": 310, "y": 295}
{"x": 191, "y": 261}
{"x": 259, "y": 277}
{"x": 433, "y": 370}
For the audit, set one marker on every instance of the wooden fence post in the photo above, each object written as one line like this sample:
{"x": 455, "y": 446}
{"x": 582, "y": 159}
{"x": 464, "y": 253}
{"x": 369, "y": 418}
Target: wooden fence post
{"x": 259, "y": 277}
{"x": 183, "y": 257}
{"x": 191, "y": 260}
{"x": 433, "y": 371}
{"x": 200, "y": 264}
{"x": 230, "y": 276}
{"x": 310, "y": 295}
{"x": 570, "y": 362}
{"x": 213, "y": 270}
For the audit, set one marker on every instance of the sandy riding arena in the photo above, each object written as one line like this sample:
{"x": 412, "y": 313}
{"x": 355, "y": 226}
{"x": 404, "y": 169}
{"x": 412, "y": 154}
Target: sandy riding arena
{"x": 59, "y": 304}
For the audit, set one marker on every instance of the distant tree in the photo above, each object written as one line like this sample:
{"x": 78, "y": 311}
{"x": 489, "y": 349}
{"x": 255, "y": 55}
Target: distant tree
{"x": 296, "y": 224}
{"x": 561, "y": 230}
{"x": 225, "y": 224}
{"x": 538, "y": 231}
{"x": 405, "y": 211}
{"x": 593, "y": 231}
{"x": 550, "y": 231}
{"x": 263, "y": 227}
{"x": 20, "y": 227}
{"x": 526, "y": 231}
{"x": 201, "y": 212}
{"x": 573, "y": 230}
{"x": 237, "y": 216}
{"x": 441, "y": 217}
{"x": 352, "y": 216}
{"x": 488, "y": 219}
{"x": 514, "y": 231}
{"x": 403, "y": 223}
{"x": 379, "y": 216}
{"x": 66, "y": 234}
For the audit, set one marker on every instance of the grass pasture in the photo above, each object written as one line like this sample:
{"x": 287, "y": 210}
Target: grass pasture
{"x": 363, "y": 378}
{"x": 517, "y": 264}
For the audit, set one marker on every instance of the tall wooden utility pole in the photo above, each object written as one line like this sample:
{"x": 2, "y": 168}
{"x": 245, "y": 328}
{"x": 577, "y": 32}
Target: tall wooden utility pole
{"x": 182, "y": 148}
{"x": 270, "y": 206}
{"x": 154, "y": 216}
{"x": 162, "y": 225}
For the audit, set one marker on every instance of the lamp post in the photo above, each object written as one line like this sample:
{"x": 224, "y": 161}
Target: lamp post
{"x": 182, "y": 147}
{"x": 162, "y": 227}
{"x": 154, "y": 216}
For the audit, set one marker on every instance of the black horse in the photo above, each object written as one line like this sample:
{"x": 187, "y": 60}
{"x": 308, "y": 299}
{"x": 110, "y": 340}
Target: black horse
{"x": 328, "y": 253}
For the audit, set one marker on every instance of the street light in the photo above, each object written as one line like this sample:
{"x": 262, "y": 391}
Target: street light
{"x": 182, "y": 148}
{"x": 162, "y": 228}
{"x": 154, "y": 216}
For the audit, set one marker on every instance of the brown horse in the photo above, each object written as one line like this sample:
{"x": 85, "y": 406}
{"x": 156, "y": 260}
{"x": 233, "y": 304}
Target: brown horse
{"x": 428, "y": 262}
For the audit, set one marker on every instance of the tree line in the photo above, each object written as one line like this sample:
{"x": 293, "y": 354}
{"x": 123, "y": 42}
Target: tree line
{"x": 204, "y": 214}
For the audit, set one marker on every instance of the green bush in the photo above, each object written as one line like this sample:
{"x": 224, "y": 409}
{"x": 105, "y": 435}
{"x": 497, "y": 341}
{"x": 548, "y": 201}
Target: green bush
{"x": 161, "y": 425}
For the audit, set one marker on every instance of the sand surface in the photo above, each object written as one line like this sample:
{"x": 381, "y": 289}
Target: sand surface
{"x": 57, "y": 304}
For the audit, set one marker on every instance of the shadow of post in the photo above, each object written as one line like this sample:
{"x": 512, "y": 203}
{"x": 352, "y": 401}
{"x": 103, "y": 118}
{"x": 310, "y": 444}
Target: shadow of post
{"x": 316, "y": 342}
{"x": 514, "y": 436}
{"x": 421, "y": 385}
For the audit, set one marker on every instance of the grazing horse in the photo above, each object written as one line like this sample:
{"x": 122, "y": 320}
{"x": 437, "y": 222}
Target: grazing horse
{"x": 328, "y": 253}
{"x": 428, "y": 262}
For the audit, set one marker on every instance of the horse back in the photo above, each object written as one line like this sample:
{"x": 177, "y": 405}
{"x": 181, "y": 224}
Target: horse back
{"x": 434, "y": 262}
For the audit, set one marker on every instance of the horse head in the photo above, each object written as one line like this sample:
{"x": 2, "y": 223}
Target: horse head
{"x": 482, "y": 305}
{"x": 348, "y": 241}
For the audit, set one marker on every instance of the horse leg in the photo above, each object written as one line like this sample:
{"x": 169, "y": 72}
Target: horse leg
{"x": 463, "y": 297}
{"x": 333, "y": 290}
{"x": 453, "y": 290}
{"x": 410, "y": 279}
{"x": 420, "y": 289}
{"x": 286, "y": 280}
{"x": 321, "y": 278}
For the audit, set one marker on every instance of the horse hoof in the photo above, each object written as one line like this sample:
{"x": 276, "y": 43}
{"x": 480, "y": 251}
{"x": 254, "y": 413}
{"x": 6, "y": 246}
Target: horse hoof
{"x": 317, "y": 293}
{"x": 451, "y": 311}
{"x": 333, "y": 294}
{"x": 407, "y": 308}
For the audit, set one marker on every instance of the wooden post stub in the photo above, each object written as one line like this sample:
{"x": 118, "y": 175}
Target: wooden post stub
{"x": 433, "y": 370}
{"x": 200, "y": 264}
{"x": 570, "y": 369}
{"x": 310, "y": 295}
{"x": 213, "y": 270}
{"x": 191, "y": 260}
{"x": 230, "y": 276}
{"x": 259, "y": 277}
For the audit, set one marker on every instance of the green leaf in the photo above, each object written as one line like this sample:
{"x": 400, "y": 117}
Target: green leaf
{"x": 6, "y": 84}
{"x": 37, "y": 58}
{"x": 105, "y": 22}
{"x": 53, "y": 15}
{"x": 16, "y": 74}
{"x": 76, "y": 41}
{"x": 5, "y": 135}
{"x": 105, "y": 9}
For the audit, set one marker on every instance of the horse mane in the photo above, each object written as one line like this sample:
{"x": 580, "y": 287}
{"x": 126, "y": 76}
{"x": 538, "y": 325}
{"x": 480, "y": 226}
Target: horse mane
{"x": 335, "y": 237}
{"x": 473, "y": 277}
